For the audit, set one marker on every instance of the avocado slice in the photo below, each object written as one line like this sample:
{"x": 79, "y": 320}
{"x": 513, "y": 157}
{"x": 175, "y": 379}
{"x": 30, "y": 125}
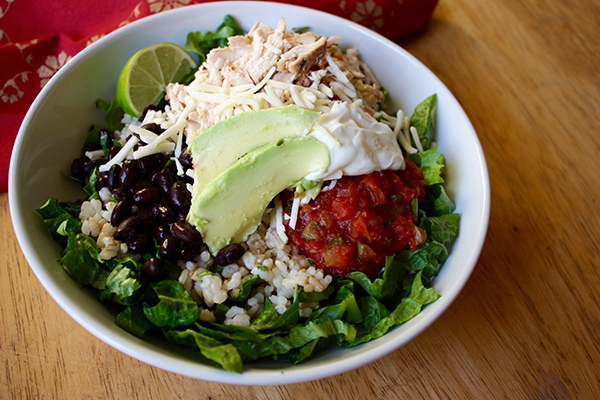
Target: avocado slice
{"x": 230, "y": 207}
{"x": 225, "y": 142}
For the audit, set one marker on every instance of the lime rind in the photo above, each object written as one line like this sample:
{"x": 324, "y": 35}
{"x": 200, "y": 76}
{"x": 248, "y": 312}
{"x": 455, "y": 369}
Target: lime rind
{"x": 146, "y": 74}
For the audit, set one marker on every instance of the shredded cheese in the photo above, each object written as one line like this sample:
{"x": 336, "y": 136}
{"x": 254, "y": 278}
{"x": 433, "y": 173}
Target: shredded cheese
{"x": 335, "y": 70}
{"x": 415, "y": 136}
{"x": 92, "y": 155}
{"x": 177, "y": 126}
{"x": 278, "y": 217}
{"x": 145, "y": 135}
{"x": 121, "y": 155}
{"x": 178, "y": 165}
{"x": 165, "y": 147}
{"x": 295, "y": 209}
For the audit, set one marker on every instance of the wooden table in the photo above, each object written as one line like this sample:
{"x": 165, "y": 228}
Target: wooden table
{"x": 527, "y": 324}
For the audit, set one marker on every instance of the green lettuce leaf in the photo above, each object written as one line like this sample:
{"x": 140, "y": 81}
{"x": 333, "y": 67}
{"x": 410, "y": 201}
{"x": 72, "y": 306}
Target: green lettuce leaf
{"x": 123, "y": 285}
{"x": 224, "y": 354}
{"x": 81, "y": 260}
{"x": 298, "y": 336}
{"x": 423, "y": 119}
{"x": 296, "y": 356}
{"x": 372, "y": 310}
{"x": 382, "y": 287}
{"x": 344, "y": 308}
{"x": 437, "y": 201}
{"x": 426, "y": 260}
{"x": 409, "y": 307}
{"x": 175, "y": 307}
{"x": 432, "y": 164}
{"x": 90, "y": 185}
{"x": 232, "y": 332}
{"x": 270, "y": 319}
{"x": 133, "y": 320}
{"x": 61, "y": 219}
{"x": 442, "y": 229}
{"x": 113, "y": 114}
{"x": 312, "y": 297}
{"x": 246, "y": 288}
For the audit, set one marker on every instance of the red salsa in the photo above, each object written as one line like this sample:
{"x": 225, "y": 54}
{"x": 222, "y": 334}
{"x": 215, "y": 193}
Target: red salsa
{"x": 360, "y": 221}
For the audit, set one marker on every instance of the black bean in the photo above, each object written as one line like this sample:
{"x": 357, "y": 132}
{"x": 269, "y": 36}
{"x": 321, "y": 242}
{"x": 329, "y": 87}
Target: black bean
{"x": 186, "y": 160}
{"x": 78, "y": 169}
{"x": 169, "y": 248}
{"x": 89, "y": 166}
{"x": 129, "y": 174}
{"x": 126, "y": 229}
{"x": 153, "y": 127}
{"x": 113, "y": 151}
{"x": 179, "y": 194}
{"x": 101, "y": 180}
{"x": 145, "y": 195}
{"x": 165, "y": 180}
{"x": 141, "y": 244}
{"x": 186, "y": 232}
{"x": 187, "y": 179}
{"x": 182, "y": 215}
{"x": 229, "y": 254}
{"x": 121, "y": 194}
{"x": 161, "y": 161}
{"x": 161, "y": 232}
{"x": 113, "y": 177}
{"x": 154, "y": 269}
{"x": 189, "y": 252}
{"x": 121, "y": 211}
{"x": 148, "y": 163}
{"x": 92, "y": 147}
{"x": 164, "y": 213}
{"x": 146, "y": 222}
{"x": 153, "y": 177}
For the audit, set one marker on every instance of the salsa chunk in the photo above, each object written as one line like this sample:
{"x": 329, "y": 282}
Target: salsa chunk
{"x": 360, "y": 221}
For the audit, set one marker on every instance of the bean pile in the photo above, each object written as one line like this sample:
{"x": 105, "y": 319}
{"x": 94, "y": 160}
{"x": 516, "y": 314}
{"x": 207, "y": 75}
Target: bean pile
{"x": 153, "y": 202}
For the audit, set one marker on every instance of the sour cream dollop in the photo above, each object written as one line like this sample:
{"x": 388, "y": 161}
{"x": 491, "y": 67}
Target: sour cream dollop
{"x": 358, "y": 144}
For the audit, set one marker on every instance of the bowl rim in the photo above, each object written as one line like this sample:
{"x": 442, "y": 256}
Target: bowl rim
{"x": 200, "y": 371}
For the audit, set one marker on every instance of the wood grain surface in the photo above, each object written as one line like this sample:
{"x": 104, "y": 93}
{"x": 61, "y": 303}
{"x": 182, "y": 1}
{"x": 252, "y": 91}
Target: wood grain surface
{"x": 527, "y": 324}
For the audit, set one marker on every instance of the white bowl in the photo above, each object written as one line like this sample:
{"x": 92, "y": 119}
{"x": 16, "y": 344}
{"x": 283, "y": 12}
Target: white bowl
{"x": 56, "y": 124}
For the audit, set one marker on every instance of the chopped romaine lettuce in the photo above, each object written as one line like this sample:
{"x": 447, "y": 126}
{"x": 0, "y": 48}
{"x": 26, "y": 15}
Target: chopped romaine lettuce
{"x": 423, "y": 119}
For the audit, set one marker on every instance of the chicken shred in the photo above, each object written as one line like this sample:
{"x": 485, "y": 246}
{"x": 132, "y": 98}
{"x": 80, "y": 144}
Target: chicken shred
{"x": 300, "y": 59}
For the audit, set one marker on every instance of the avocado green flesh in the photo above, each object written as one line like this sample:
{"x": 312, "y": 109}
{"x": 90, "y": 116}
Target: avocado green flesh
{"x": 215, "y": 149}
{"x": 231, "y": 206}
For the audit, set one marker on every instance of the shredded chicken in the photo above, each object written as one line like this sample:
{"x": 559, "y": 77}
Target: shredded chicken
{"x": 252, "y": 64}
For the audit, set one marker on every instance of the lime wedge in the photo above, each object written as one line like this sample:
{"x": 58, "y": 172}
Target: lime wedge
{"x": 146, "y": 75}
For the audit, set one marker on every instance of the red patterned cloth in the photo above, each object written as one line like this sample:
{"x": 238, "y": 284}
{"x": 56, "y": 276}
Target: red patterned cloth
{"x": 38, "y": 37}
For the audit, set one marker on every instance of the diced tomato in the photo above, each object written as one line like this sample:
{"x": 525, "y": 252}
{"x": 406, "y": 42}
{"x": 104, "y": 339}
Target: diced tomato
{"x": 360, "y": 221}
{"x": 343, "y": 207}
{"x": 359, "y": 226}
{"x": 338, "y": 256}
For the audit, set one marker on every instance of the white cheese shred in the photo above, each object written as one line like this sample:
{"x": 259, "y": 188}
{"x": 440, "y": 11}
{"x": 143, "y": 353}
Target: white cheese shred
{"x": 178, "y": 144}
{"x": 92, "y": 155}
{"x": 278, "y": 217}
{"x": 177, "y": 126}
{"x": 145, "y": 135}
{"x": 180, "y": 170}
{"x": 166, "y": 147}
{"x": 415, "y": 136}
{"x": 121, "y": 155}
{"x": 294, "y": 211}
{"x": 335, "y": 70}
